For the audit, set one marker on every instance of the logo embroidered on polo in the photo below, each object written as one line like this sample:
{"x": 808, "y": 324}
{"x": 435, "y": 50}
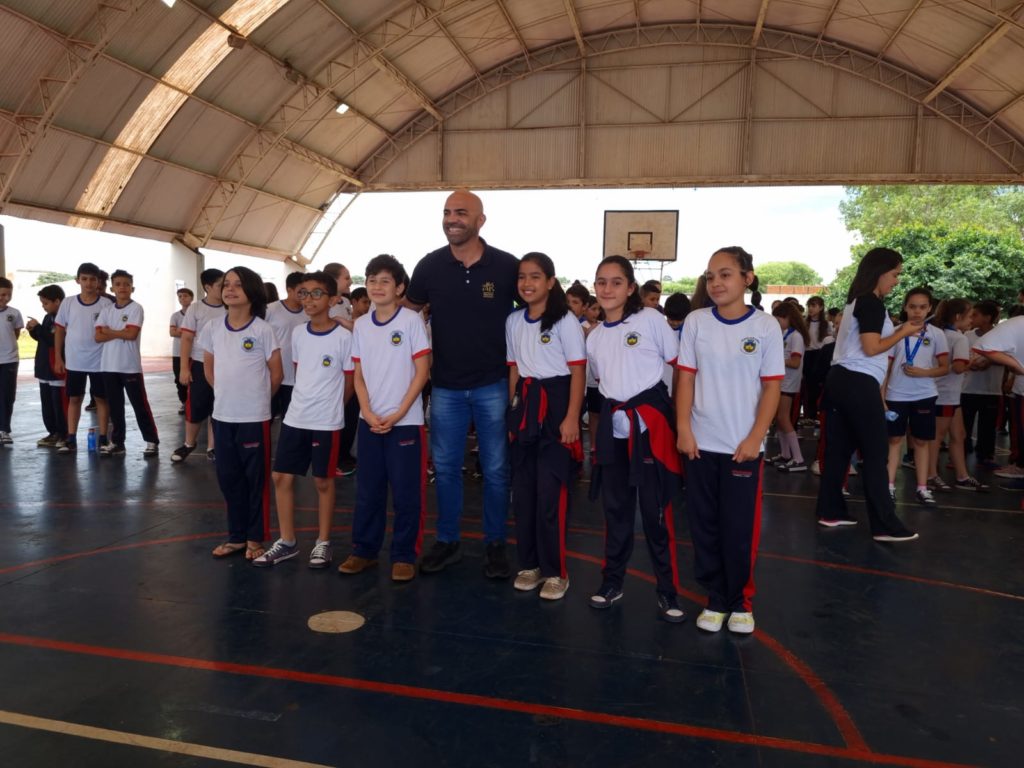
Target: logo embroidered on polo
{"x": 926, "y": 341}
{"x": 396, "y": 338}
{"x": 487, "y": 290}
{"x": 10, "y": 318}
{"x": 326, "y": 361}
{"x": 749, "y": 345}
{"x": 632, "y": 339}
{"x": 248, "y": 343}
{"x": 545, "y": 337}
{"x": 124, "y": 318}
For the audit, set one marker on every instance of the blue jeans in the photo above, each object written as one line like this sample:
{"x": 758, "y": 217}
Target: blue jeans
{"x": 450, "y": 414}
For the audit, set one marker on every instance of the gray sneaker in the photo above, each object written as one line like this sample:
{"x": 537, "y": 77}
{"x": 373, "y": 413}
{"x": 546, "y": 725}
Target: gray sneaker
{"x": 320, "y": 557}
{"x": 277, "y": 553}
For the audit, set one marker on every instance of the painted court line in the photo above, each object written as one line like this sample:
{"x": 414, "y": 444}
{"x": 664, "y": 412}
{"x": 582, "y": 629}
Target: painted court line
{"x": 481, "y": 702}
{"x": 150, "y": 742}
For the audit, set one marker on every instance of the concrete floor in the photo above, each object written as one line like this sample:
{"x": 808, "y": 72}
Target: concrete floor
{"x": 125, "y": 644}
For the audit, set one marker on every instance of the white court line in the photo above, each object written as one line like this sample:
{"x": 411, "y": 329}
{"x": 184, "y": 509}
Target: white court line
{"x": 150, "y": 742}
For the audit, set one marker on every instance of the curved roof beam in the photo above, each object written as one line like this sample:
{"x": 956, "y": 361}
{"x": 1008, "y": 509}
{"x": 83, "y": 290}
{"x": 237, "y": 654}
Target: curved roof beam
{"x": 81, "y": 51}
{"x": 340, "y": 69}
{"x": 1007, "y": 147}
{"x": 208, "y": 50}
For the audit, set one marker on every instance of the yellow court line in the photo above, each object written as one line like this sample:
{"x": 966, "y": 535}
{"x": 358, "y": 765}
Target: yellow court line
{"x": 150, "y": 742}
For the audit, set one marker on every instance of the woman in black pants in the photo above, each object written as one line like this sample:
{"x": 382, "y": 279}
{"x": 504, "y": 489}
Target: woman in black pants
{"x": 855, "y": 417}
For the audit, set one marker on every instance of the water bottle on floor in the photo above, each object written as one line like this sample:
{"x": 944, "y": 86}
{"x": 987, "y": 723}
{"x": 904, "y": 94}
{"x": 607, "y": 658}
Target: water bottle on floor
{"x": 92, "y": 440}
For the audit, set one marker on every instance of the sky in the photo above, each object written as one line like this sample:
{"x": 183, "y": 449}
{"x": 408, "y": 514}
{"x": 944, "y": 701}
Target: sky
{"x": 772, "y": 223}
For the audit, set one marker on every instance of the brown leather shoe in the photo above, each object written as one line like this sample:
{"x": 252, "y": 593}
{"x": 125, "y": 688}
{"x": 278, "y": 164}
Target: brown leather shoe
{"x": 356, "y": 564}
{"x": 403, "y": 572}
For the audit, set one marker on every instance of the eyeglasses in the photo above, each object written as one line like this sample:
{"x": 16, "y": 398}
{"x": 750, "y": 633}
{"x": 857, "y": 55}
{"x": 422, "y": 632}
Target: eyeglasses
{"x": 316, "y": 293}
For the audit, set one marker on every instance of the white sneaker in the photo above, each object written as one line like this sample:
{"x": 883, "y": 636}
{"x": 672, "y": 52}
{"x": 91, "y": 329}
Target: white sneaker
{"x": 1010, "y": 470}
{"x": 554, "y": 588}
{"x": 6, "y": 439}
{"x": 710, "y": 621}
{"x": 815, "y": 467}
{"x": 528, "y": 580}
{"x": 741, "y": 623}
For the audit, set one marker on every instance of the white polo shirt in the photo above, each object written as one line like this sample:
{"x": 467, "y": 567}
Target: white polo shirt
{"x": 730, "y": 360}
{"x": 176, "y": 320}
{"x": 321, "y": 360}
{"x": 121, "y": 355}
{"x": 949, "y": 386}
{"x": 990, "y": 380}
{"x": 792, "y": 346}
{"x": 241, "y": 378}
{"x": 284, "y": 321}
{"x": 870, "y": 312}
{"x": 342, "y": 310}
{"x": 10, "y": 322}
{"x": 932, "y": 349}
{"x": 386, "y": 353}
{"x": 629, "y": 356}
{"x": 812, "y": 331}
{"x": 544, "y": 354}
{"x": 81, "y": 350}
{"x": 197, "y": 316}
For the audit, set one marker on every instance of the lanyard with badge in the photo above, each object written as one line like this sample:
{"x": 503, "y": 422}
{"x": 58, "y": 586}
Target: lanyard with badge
{"x": 912, "y": 353}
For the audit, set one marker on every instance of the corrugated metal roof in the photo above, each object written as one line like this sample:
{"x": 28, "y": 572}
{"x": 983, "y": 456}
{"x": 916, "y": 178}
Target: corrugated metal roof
{"x": 836, "y": 94}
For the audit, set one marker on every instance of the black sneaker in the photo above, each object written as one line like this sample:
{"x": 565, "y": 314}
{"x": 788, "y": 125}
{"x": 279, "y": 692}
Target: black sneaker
{"x": 901, "y": 534}
{"x": 496, "y": 565}
{"x": 115, "y": 449}
{"x": 91, "y": 406}
{"x": 211, "y": 455}
{"x": 669, "y": 610}
{"x": 441, "y": 555}
{"x": 180, "y": 454}
{"x": 605, "y": 597}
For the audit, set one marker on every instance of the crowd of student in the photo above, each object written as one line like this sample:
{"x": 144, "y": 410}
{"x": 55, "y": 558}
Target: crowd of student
{"x": 690, "y": 391}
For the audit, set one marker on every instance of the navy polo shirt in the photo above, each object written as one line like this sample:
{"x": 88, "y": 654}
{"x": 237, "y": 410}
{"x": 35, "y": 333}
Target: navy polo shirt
{"x": 468, "y": 308}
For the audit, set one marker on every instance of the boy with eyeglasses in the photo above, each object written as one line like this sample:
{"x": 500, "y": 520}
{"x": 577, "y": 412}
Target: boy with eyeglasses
{"x": 321, "y": 355}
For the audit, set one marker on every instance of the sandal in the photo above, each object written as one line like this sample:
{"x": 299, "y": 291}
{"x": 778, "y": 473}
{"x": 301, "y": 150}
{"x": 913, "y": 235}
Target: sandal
{"x": 227, "y": 548}
{"x": 252, "y": 552}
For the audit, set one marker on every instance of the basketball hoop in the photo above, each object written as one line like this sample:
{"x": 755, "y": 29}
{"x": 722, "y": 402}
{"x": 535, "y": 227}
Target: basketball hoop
{"x": 639, "y": 255}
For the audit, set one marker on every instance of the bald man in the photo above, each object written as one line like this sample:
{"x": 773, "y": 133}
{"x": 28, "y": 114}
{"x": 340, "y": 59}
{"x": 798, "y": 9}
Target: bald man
{"x": 471, "y": 288}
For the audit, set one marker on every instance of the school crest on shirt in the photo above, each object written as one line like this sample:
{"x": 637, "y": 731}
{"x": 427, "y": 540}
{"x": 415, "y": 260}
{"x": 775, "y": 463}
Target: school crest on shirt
{"x": 545, "y": 337}
{"x": 926, "y": 341}
{"x": 326, "y": 361}
{"x": 396, "y": 338}
{"x": 248, "y": 343}
{"x": 10, "y": 318}
{"x": 487, "y": 290}
{"x": 124, "y": 318}
{"x": 631, "y": 339}
{"x": 749, "y": 345}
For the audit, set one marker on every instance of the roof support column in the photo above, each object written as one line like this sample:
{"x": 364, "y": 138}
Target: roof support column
{"x": 581, "y": 155}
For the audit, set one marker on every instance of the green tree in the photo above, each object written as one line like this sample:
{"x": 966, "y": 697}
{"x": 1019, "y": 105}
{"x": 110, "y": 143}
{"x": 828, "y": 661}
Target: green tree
{"x": 682, "y": 285}
{"x": 53, "y": 277}
{"x": 786, "y": 273}
{"x": 876, "y": 211}
{"x": 964, "y": 261}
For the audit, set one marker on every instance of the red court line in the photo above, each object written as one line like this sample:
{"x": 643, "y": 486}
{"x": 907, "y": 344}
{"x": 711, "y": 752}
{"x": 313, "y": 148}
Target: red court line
{"x": 843, "y": 722}
{"x": 852, "y": 568}
{"x": 478, "y": 701}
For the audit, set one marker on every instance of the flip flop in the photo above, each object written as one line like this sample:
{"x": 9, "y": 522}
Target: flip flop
{"x": 228, "y": 548}
{"x": 251, "y": 553}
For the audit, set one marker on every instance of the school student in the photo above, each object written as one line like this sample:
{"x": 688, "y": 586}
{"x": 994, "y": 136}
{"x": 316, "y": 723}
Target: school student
{"x": 185, "y": 299}
{"x": 78, "y": 355}
{"x": 952, "y": 316}
{"x": 911, "y": 392}
{"x": 982, "y": 390}
{"x": 320, "y": 352}
{"x": 11, "y": 324}
{"x": 547, "y": 357}
{"x": 284, "y": 316}
{"x": 855, "y": 412}
{"x": 342, "y": 311}
{"x": 818, "y": 330}
{"x": 117, "y": 329}
{"x": 1004, "y": 346}
{"x": 576, "y": 297}
{"x": 730, "y": 374}
{"x": 392, "y": 363}
{"x": 795, "y": 339}
{"x": 51, "y": 386}
{"x": 360, "y": 303}
{"x": 242, "y": 362}
{"x": 636, "y": 459}
{"x": 200, "y": 401}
